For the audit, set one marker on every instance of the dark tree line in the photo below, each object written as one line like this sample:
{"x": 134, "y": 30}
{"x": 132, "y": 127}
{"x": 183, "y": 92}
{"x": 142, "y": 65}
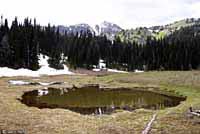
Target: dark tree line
{"x": 178, "y": 51}
{"x": 21, "y": 43}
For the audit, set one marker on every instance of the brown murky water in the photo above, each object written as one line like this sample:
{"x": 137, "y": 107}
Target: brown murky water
{"x": 93, "y": 100}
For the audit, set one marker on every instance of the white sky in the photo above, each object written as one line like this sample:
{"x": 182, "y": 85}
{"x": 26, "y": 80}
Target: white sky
{"x": 125, "y": 13}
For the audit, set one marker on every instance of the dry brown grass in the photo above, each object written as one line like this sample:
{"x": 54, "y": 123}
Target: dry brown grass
{"x": 15, "y": 115}
{"x": 180, "y": 78}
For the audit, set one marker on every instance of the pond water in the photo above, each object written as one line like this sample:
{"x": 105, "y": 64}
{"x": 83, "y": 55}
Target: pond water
{"x": 94, "y": 100}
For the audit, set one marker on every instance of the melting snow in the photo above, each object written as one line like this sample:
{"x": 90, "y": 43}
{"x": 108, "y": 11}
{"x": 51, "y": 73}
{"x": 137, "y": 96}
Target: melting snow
{"x": 102, "y": 66}
{"x": 44, "y": 70}
{"x": 18, "y": 82}
{"x": 138, "y": 71}
{"x": 116, "y": 71}
{"x": 109, "y": 70}
{"x": 96, "y": 70}
{"x": 21, "y": 82}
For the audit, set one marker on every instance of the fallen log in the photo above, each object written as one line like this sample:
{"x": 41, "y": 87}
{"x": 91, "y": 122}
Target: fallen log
{"x": 195, "y": 113}
{"x": 148, "y": 127}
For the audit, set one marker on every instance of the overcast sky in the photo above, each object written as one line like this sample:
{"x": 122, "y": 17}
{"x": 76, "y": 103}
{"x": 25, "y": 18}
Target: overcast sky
{"x": 126, "y": 13}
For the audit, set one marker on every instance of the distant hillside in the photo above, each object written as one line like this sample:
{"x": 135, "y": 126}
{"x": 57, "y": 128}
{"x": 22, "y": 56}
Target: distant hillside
{"x": 186, "y": 33}
{"x": 135, "y": 35}
{"x": 140, "y": 35}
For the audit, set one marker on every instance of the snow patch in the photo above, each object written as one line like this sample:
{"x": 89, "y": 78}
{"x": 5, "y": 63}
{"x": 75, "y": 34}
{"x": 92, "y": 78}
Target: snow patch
{"x": 44, "y": 70}
{"x": 96, "y": 69}
{"x": 21, "y": 82}
{"x": 8, "y": 72}
{"x": 102, "y": 66}
{"x": 18, "y": 82}
{"x": 116, "y": 71}
{"x": 138, "y": 71}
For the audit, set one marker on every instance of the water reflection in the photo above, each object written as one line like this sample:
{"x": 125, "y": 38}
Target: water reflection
{"x": 42, "y": 92}
{"x": 93, "y": 100}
